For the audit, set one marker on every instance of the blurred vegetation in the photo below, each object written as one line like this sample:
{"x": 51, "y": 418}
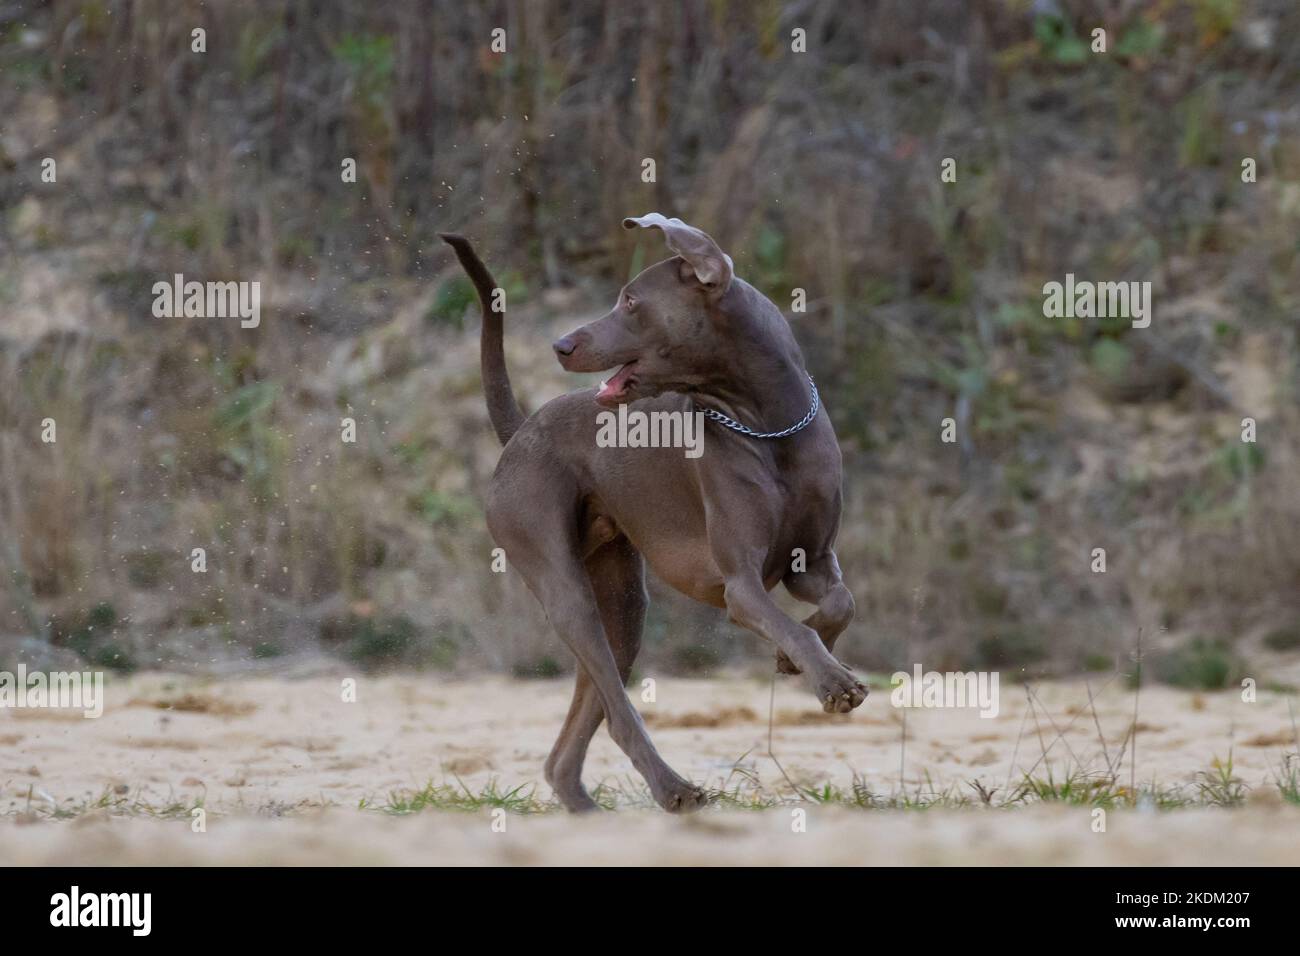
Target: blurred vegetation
{"x": 816, "y": 171}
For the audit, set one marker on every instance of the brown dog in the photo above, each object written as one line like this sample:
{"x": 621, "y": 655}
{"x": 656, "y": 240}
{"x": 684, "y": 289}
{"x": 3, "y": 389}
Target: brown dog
{"x": 580, "y": 521}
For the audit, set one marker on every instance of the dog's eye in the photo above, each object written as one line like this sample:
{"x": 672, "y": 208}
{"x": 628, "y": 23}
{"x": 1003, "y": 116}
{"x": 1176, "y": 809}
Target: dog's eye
{"x": 631, "y": 302}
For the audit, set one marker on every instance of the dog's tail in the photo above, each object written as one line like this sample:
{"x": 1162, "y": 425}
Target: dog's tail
{"x": 504, "y": 411}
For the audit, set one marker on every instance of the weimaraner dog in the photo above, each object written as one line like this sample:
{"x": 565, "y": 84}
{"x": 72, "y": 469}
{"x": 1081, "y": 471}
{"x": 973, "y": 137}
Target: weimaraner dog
{"x": 579, "y": 522}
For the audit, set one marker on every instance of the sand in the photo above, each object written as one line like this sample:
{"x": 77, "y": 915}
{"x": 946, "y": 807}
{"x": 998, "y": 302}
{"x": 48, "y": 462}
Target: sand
{"x": 287, "y": 772}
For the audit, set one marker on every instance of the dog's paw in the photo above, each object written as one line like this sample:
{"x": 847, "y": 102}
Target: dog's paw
{"x": 839, "y": 691}
{"x": 784, "y": 665}
{"x": 683, "y": 797}
{"x": 578, "y": 802}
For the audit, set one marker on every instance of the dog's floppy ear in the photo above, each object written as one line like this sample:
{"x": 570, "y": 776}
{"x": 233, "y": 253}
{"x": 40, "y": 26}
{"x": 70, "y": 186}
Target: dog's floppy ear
{"x": 711, "y": 265}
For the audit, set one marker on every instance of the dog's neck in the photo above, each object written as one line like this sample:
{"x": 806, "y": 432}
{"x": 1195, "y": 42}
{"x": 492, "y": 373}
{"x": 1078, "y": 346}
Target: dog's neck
{"x": 762, "y": 382}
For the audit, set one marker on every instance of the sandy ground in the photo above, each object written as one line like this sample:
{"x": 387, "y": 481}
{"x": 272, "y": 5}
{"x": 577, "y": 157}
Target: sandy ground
{"x": 283, "y": 766}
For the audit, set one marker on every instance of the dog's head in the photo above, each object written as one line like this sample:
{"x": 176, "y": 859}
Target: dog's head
{"x": 664, "y": 333}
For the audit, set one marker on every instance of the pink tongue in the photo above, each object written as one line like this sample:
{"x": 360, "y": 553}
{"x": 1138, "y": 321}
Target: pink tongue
{"x": 616, "y": 383}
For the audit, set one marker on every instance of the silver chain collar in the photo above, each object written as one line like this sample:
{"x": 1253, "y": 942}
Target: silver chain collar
{"x": 800, "y": 425}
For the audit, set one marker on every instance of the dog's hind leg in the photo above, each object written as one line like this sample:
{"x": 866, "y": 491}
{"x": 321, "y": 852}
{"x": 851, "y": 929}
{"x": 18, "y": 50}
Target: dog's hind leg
{"x": 566, "y": 593}
{"x": 820, "y": 584}
{"x": 617, "y": 574}
{"x": 542, "y": 542}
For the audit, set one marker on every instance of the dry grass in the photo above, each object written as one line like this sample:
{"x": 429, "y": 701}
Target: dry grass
{"x": 924, "y": 303}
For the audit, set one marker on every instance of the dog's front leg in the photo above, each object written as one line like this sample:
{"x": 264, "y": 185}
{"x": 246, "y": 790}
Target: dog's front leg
{"x": 821, "y": 584}
{"x": 750, "y": 606}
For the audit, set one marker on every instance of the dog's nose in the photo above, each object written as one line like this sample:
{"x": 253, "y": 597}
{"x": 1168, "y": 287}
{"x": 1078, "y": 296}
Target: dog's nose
{"x": 564, "y": 346}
